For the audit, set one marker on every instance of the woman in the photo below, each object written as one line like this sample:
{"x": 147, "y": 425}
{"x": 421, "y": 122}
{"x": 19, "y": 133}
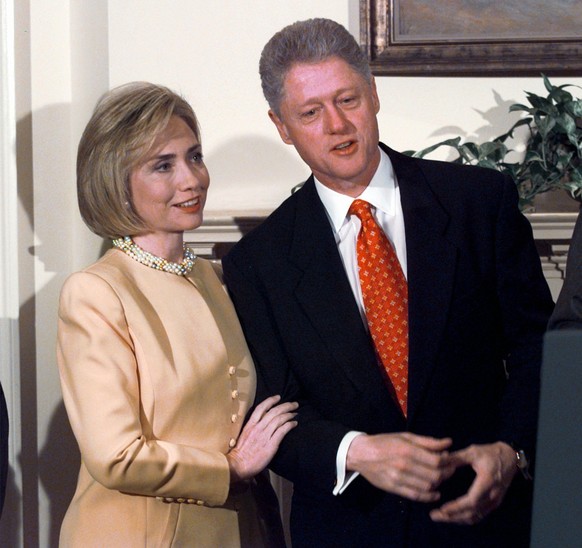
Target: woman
{"x": 155, "y": 372}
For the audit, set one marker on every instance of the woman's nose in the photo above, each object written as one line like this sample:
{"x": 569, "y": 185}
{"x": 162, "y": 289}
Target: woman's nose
{"x": 194, "y": 176}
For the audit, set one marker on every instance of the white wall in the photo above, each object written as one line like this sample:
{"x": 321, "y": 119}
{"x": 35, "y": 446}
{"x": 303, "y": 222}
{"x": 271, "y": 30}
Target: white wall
{"x": 212, "y": 55}
{"x": 67, "y": 54}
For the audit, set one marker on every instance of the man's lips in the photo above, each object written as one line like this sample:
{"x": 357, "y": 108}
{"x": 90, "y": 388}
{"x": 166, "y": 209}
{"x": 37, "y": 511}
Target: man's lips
{"x": 344, "y": 147}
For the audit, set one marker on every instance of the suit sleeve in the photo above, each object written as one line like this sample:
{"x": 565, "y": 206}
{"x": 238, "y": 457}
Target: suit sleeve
{"x": 568, "y": 311}
{"x": 526, "y": 304}
{"x": 4, "y": 429}
{"x": 307, "y": 455}
{"x": 101, "y": 392}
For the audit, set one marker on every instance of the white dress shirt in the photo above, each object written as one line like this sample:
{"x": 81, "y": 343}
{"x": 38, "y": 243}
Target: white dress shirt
{"x": 384, "y": 196}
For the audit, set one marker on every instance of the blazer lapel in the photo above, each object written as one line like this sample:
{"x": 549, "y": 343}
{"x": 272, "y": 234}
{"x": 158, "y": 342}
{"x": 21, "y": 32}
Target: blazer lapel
{"x": 431, "y": 266}
{"x": 325, "y": 295}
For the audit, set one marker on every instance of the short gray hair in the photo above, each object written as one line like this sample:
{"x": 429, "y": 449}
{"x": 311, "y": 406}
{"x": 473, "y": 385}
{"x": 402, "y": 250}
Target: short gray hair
{"x": 309, "y": 41}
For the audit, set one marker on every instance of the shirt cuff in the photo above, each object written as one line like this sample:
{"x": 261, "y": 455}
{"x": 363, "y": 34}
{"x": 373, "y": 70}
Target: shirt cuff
{"x": 344, "y": 478}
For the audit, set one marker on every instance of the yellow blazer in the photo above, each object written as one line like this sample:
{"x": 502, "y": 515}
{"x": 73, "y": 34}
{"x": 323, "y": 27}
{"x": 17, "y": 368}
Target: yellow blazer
{"x": 156, "y": 379}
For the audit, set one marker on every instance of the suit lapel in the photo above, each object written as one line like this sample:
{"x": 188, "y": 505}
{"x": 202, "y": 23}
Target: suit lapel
{"x": 325, "y": 295}
{"x": 431, "y": 266}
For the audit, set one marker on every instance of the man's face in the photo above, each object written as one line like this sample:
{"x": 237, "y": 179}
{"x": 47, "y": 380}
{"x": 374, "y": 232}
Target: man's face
{"x": 328, "y": 113}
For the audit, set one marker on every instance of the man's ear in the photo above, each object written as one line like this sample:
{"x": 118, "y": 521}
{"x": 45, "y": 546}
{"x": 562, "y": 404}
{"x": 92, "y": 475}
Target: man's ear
{"x": 281, "y": 128}
{"x": 375, "y": 99}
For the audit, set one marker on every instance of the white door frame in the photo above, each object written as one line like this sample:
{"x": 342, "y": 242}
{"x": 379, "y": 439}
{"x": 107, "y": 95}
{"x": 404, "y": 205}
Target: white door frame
{"x": 9, "y": 289}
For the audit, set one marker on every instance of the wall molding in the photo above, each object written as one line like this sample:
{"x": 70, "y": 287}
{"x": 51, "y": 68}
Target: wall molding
{"x": 220, "y": 231}
{"x": 226, "y": 228}
{"x": 552, "y": 232}
{"x": 552, "y": 226}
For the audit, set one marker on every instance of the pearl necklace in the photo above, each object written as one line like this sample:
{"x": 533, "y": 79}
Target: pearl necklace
{"x": 128, "y": 246}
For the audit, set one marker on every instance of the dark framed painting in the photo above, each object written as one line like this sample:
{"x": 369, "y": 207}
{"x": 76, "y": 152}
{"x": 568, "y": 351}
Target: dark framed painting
{"x": 472, "y": 37}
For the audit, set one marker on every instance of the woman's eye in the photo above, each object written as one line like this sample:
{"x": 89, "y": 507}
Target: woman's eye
{"x": 164, "y": 166}
{"x": 197, "y": 157}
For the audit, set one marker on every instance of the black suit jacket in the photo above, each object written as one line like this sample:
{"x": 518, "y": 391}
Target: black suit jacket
{"x": 3, "y": 448}
{"x": 568, "y": 311}
{"x": 478, "y": 306}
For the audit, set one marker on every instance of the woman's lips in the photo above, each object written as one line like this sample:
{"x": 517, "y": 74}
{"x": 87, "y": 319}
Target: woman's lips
{"x": 190, "y": 206}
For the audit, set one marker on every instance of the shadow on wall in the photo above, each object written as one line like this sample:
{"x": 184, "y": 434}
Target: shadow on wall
{"x": 58, "y": 467}
{"x": 45, "y": 253}
{"x": 252, "y": 172}
{"x": 497, "y": 120}
{"x": 59, "y": 463}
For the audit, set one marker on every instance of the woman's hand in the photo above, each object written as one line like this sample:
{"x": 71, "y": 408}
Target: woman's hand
{"x": 260, "y": 438}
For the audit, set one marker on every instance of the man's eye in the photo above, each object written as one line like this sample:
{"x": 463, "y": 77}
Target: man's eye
{"x": 309, "y": 113}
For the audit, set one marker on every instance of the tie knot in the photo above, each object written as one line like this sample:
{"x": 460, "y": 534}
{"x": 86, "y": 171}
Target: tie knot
{"x": 361, "y": 209}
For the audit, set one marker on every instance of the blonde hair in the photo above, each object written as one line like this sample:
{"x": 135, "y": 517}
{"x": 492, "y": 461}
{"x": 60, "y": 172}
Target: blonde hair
{"x": 123, "y": 128}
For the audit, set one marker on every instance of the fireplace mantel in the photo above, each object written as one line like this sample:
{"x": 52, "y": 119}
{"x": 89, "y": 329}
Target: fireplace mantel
{"x": 552, "y": 233}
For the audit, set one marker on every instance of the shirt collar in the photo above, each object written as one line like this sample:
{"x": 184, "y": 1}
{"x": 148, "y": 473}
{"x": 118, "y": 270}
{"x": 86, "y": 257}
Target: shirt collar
{"x": 379, "y": 192}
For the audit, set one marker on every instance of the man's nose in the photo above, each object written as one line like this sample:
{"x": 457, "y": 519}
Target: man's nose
{"x": 335, "y": 120}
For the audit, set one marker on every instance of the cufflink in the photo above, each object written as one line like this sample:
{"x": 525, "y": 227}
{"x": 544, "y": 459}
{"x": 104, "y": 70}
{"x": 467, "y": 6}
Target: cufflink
{"x": 522, "y": 464}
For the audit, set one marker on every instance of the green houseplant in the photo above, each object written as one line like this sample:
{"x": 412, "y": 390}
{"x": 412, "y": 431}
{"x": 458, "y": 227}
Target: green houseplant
{"x": 553, "y": 149}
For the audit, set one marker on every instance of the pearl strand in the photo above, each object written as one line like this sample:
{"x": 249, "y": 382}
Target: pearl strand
{"x": 128, "y": 246}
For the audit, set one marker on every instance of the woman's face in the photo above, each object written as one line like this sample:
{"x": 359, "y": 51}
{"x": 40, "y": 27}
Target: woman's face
{"x": 169, "y": 186}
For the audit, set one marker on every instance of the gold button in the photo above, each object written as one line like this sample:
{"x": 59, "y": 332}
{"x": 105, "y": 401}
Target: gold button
{"x": 169, "y": 499}
{"x": 180, "y": 500}
{"x": 191, "y": 501}
{"x": 231, "y": 370}
{"x": 200, "y": 502}
{"x": 161, "y": 499}
{"x": 232, "y": 443}
{"x": 233, "y": 418}
{"x": 234, "y": 394}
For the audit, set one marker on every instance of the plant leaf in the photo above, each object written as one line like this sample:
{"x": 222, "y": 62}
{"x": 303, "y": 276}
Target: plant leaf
{"x": 553, "y": 150}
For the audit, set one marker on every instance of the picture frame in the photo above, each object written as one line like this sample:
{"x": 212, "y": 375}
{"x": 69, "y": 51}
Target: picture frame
{"x": 411, "y": 38}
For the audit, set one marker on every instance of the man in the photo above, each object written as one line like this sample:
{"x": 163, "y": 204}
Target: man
{"x": 568, "y": 311}
{"x": 423, "y": 453}
{"x": 4, "y": 428}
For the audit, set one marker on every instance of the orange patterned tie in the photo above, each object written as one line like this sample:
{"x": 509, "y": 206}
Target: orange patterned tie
{"x": 385, "y": 294}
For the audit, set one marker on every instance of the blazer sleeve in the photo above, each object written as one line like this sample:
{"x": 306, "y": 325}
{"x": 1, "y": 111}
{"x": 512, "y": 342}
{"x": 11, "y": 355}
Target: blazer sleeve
{"x": 307, "y": 454}
{"x": 101, "y": 392}
{"x": 568, "y": 311}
